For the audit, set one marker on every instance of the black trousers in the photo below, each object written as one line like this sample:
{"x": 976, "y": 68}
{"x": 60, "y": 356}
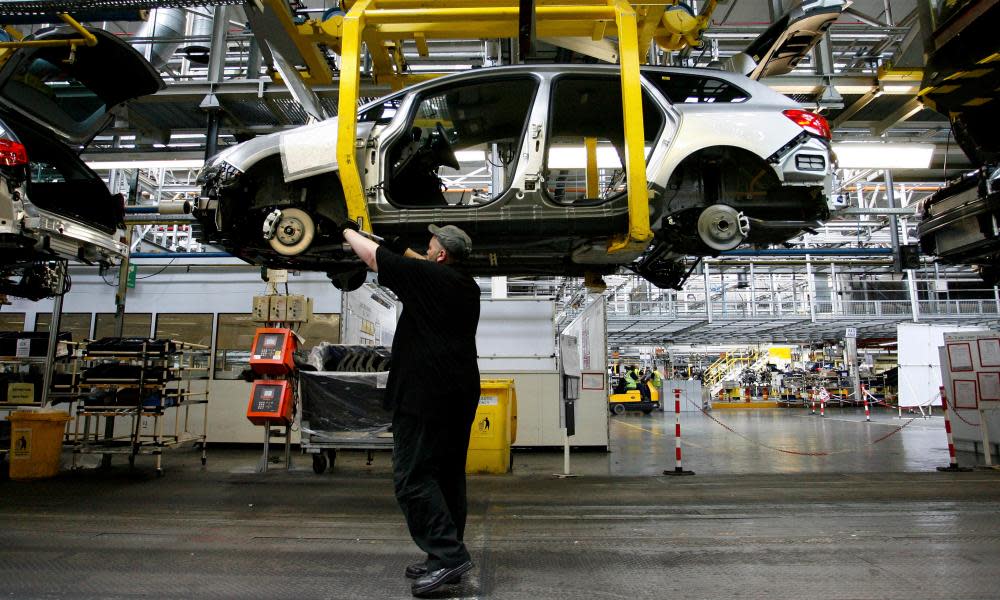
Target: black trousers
{"x": 428, "y": 473}
{"x": 644, "y": 392}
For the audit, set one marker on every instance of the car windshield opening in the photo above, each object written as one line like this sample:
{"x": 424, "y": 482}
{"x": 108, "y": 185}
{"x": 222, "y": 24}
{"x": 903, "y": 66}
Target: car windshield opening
{"x": 460, "y": 145}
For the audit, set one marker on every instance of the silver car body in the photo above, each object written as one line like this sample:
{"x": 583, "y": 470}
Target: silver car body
{"x": 755, "y": 126}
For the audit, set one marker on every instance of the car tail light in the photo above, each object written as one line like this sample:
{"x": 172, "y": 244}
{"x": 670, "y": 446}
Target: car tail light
{"x": 810, "y": 121}
{"x": 12, "y": 154}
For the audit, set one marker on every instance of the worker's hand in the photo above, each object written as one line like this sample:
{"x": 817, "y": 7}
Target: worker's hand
{"x": 347, "y": 224}
{"x": 394, "y": 244}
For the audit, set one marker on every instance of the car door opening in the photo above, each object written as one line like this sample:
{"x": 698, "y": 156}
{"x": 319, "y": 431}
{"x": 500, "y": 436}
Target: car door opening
{"x": 472, "y": 129}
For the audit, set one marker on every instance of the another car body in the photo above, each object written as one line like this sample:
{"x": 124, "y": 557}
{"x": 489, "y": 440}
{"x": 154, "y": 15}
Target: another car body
{"x": 52, "y": 206}
{"x": 961, "y": 222}
{"x": 728, "y": 161}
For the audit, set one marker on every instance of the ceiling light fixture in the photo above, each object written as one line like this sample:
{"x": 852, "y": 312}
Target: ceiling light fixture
{"x": 883, "y": 156}
{"x": 96, "y": 165}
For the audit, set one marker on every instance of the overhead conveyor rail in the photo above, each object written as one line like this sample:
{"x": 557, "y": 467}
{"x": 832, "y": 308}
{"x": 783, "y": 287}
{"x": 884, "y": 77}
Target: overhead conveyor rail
{"x": 53, "y": 7}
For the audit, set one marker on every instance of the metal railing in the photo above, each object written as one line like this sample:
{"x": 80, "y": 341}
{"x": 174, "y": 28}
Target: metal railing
{"x": 694, "y": 304}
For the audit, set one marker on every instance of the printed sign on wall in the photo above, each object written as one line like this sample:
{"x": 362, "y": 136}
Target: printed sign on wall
{"x": 972, "y": 371}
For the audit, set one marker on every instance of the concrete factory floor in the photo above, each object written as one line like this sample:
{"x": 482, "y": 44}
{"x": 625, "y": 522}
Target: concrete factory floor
{"x": 865, "y": 521}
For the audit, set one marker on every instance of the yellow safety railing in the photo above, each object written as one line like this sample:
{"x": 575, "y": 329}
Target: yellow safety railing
{"x": 86, "y": 39}
{"x": 724, "y": 365}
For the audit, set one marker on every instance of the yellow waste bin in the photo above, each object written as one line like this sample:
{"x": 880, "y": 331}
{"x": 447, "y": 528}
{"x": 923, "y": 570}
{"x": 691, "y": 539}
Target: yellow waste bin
{"x": 494, "y": 429}
{"x": 35, "y": 443}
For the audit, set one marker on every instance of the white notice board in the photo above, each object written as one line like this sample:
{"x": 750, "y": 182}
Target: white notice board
{"x": 970, "y": 369}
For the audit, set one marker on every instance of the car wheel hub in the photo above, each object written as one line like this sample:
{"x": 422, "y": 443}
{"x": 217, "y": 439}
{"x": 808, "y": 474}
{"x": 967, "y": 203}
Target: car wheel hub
{"x": 293, "y": 233}
{"x": 722, "y": 227}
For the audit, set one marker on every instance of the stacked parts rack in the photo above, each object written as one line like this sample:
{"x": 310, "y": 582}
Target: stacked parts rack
{"x": 138, "y": 386}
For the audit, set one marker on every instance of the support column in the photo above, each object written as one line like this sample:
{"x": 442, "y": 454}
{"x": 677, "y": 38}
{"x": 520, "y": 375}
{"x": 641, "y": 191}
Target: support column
{"x": 54, "y": 324}
{"x": 911, "y": 283}
{"x": 811, "y": 287}
{"x": 835, "y": 304}
{"x": 216, "y": 71}
{"x": 708, "y": 293}
{"x": 851, "y": 352}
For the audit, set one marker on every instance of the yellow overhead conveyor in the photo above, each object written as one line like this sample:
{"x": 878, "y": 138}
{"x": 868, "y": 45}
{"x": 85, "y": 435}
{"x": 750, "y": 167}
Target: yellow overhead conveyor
{"x": 86, "y": 39}
{"x": 383, "y": 26}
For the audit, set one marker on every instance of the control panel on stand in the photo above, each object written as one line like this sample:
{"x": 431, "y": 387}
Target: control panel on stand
{"x": 274, "y": 392}
{"x": 272, "y": 399}
{"x": 271, "y": 402}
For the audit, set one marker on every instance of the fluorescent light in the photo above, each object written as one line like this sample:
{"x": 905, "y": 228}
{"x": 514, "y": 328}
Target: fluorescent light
{"x": 195, "y": 163}
{"x": 883, "y": 156}
{"x": 470, "y": 156}
{"x": 575, "y": 157}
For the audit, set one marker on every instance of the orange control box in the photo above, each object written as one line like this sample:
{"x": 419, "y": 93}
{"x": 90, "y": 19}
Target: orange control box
{"x": 272, "y": 351}
{"x": 270, "y": 402}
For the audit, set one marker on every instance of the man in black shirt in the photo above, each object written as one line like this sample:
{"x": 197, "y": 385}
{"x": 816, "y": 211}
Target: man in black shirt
{"x": 433, "y": 390}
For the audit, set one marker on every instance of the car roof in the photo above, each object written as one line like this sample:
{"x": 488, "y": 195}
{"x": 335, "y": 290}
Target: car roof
{"x": 736, "y": 79}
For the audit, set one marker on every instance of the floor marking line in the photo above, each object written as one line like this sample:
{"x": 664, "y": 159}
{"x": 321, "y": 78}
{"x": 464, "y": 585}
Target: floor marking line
{"x": 659, "y": 433}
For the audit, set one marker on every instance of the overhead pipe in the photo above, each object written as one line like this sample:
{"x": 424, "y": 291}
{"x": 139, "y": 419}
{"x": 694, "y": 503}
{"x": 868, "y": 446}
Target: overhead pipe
{"x": 811, "y": 252}
{"x": 179, "y": 207}
{"x": 181, "y": 255}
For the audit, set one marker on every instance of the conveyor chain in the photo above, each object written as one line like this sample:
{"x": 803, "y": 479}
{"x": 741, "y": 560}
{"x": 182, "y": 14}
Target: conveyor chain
{"x": 33, "y": 7}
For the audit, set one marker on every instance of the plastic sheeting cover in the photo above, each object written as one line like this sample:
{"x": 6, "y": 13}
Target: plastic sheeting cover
{"x": 338, "y": 402}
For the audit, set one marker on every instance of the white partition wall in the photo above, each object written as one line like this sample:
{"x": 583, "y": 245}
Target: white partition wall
{"x": 516, "y": 340}
{"x": 919, "y": 363}
{"x": 590, "y": 329}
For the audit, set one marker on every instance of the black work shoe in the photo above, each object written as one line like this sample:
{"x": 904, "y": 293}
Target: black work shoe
{"x": 420, "y": 569}
{"x": 435, "y": 579}
{"x": 416, "y": 570}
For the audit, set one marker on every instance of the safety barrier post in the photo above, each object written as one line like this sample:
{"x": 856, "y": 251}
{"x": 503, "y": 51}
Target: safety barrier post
{"x": 952, "y": 460}
{"x": 812, "y": 401}
{"x": 678, "y": 469}
{"x": 864, "y": 395}
{"x": 764, "y": 394}
{"x": 822, "y": 401}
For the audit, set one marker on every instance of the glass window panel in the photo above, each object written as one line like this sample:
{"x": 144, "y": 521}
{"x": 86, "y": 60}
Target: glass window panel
{"x": 193, "y": 328}
{"x": 77, "y": 324}
{"x": 136, "y": 325}
{"x": 324, "y": 327}
{"x": 684, "y": 88}
{"x": 11, "y": 321}
{"x": 234, "y": 337}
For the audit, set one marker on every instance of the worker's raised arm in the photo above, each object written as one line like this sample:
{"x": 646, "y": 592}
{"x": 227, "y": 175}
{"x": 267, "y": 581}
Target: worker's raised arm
{"x": 363, "y": 247}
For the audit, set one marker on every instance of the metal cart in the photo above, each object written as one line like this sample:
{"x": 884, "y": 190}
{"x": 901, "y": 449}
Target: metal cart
{"x": 342, "y": 411}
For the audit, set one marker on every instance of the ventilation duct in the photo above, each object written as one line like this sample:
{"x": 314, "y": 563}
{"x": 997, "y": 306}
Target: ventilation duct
{"x": 166, "y": 28}
{"x": 197, "y": 49}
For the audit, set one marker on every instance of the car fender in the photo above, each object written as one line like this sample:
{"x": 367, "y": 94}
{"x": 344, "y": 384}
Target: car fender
{"x": 762, "y": 135}
{"x": 305, "y": 151}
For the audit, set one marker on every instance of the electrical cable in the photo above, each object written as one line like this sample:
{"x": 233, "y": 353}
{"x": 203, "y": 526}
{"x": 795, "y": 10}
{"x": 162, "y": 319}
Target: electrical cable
{"x": 158, "y": 272}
